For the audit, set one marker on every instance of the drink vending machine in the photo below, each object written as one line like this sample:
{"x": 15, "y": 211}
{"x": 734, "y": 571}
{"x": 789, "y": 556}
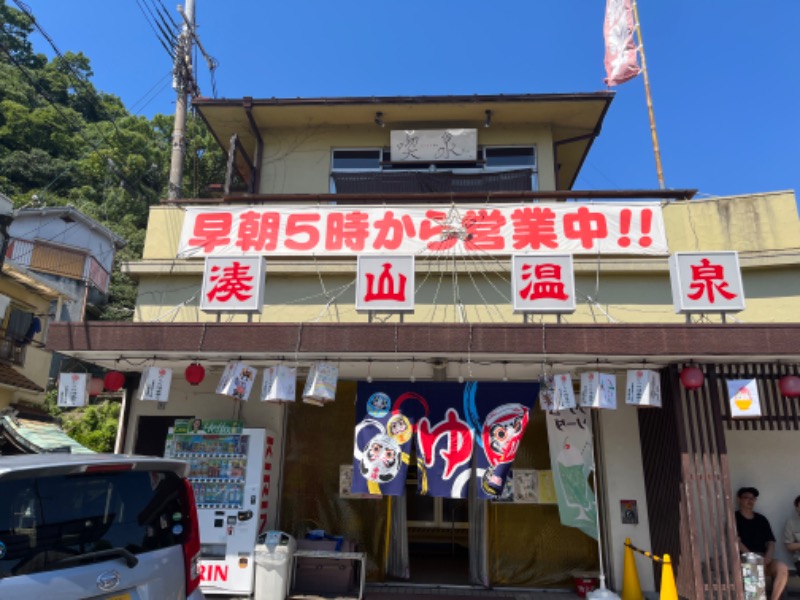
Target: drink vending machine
{"x": 230, "y": 469}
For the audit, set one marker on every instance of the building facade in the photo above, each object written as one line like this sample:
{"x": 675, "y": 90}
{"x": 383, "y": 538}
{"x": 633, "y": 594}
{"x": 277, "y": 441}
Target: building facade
{"x": 462, "y": 184}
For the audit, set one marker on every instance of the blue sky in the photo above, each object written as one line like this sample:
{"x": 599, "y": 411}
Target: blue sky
{"x": 724, "y": 74}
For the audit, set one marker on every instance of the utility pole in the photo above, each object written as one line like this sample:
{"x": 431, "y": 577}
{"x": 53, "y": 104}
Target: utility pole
{"x": 183, "y": 82}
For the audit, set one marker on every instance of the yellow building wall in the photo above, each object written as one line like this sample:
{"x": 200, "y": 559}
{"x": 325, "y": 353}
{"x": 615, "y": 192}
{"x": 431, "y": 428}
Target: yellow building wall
{"x": 763, "y": 228}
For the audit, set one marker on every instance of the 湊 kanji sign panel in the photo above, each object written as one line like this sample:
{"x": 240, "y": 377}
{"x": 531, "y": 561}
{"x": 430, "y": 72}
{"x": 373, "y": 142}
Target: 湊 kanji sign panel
{"x": 543, "y": 283}
{"x": 432, "y": 231}
{"x": 706, "y": 282}
{"x": 385, "y": 283}
{"x": 233, "y": 284}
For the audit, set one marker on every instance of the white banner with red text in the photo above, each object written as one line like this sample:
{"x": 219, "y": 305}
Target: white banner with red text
{"x": 610, "y": 228}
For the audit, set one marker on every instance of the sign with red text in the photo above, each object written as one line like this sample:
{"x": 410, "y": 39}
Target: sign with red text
{"x": 569, "y": 228}
{"x": 706, "y": 282}
{"x": 233, "y": 284}
{"x": 643, "y": 388}
{"x": 543, "y": 283}
{"x": 385, "y": 283}
{"x": 156, "y": 382}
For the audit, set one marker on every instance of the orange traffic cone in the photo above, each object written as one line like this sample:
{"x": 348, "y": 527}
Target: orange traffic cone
{"x": 631, "y": 590}
{"x": 669, "y": 591}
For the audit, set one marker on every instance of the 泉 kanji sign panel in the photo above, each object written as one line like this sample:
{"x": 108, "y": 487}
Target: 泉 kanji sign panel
{"x": 431, "y": 232}
{"x": 233, "y": 284}
{"x": 385, "y": 283}
{"x": 543, "y": 283}
{"x": 706, "y": 282}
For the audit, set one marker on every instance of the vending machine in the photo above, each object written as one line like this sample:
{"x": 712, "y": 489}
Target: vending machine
{"x": 231, "y": 470}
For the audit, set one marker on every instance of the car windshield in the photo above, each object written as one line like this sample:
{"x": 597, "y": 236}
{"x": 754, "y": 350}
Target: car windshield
{"x": 48, "y": 520}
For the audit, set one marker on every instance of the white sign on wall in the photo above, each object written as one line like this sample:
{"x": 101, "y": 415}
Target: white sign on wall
{"x": 744, "y": 398}
{"x": 233, "y": 284}
{"x": 543, "y": 283}
{"x": 434, "y": 145}
{"x": 385, "y": 283}
{"x": 706, "y": 282}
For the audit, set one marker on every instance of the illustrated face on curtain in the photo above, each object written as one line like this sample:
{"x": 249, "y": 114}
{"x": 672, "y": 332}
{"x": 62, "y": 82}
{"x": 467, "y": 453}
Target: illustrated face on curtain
{"x": 381, "y": 459}
{"x": 501, "y": 436}
{"x": 448, "y": 420}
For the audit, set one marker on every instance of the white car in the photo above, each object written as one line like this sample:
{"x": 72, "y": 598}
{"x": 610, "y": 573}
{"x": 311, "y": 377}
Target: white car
{"x": 100, "y": 526}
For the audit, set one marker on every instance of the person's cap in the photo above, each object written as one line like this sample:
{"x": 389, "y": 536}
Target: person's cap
{"x": 747, "y": 490}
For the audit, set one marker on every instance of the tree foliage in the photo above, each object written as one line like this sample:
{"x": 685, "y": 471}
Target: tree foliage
{"x": 67, "y": 143}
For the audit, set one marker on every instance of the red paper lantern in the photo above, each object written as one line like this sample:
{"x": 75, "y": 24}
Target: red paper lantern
{"x": 113, "y": 381}
{"x": 789, "y": 385}
{"x": 95, "y": 386}
{"x": 692, "y": 378}
{"x": 195, "y": 373}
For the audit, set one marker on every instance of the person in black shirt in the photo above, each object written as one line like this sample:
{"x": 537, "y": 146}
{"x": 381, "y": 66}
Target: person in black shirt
{"x": 755, "y": 535}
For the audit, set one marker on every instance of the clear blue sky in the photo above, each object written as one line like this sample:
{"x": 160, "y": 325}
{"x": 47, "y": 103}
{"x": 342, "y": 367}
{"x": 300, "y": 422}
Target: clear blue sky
{"x": 724, "y": 74}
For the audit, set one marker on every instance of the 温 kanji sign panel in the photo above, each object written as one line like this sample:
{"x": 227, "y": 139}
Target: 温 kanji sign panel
{"x": 233, "y": 284}
{"x": 543, "y": 283}
{"x": 430, "y": 231}
{"x": 706, "y": 282}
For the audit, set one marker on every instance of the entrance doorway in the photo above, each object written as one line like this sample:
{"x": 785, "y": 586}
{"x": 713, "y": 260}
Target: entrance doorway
{"x": 438, "y": 537}
{"x": 152, "y": 434}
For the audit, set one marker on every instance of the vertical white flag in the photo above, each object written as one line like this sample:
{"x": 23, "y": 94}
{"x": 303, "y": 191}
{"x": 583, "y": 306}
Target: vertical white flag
{"x": 621, "y": 60}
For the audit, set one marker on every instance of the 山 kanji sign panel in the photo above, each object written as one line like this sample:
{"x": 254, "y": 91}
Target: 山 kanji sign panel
{"x": 385, "y": 283}
{"x": 233, "y": 284}
{"x": 434, "y": 231}
{"x": 706, "y": 282}
{"x": 543, "y": 283}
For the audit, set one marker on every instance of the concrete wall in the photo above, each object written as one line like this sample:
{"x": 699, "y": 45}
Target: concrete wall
{"x": 767, "y": 460}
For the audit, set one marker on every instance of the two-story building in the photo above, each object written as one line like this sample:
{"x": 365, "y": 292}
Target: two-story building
{"x": 461, "y": 184}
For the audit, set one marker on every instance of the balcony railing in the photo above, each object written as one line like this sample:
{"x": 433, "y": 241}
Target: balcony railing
{"x": 11, "y": 350}
{"x": 63, "y": 261}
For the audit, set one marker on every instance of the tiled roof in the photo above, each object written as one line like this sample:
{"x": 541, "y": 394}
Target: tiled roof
{"x": 10, "y": 376}
{"x": 38, "y": 436}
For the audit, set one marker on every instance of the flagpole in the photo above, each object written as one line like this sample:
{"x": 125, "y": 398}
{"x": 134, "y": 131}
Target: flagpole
{"x": 657, "y": 152}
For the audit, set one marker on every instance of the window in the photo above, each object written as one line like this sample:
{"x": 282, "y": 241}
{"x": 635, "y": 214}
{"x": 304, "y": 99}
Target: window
{"x": 47, "y": 519}
{"x": 368, "y": 170}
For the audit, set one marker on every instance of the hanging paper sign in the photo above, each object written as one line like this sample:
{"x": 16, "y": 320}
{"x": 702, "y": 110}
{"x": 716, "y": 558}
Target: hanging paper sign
{"x": 321, "y": 383}
{"x": 450, "y": 422}
{"x": 569, "y": 434}
{"x": 237, "y": 380}
{"x": 73, "y": 389}
{"x": 156, "y": 382}
{"x": 547, "y": 393}
{"x": 643, "y": 388}
{"x": 279, "y": 384}
{"x": 744, "y": 398}
{"x": 598, "y": 390}
{"x": 565, "y": 393}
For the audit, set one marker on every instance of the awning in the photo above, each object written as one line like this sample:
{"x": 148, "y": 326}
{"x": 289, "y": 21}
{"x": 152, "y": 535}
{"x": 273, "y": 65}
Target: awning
{"x": 11, "y": 377}
{"x": 35, "y": 437}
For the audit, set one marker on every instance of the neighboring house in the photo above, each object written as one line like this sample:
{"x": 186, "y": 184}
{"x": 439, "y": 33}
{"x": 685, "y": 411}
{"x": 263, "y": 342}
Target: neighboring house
{"x": 461, "y": 183}
{"x": 69, "y": 249}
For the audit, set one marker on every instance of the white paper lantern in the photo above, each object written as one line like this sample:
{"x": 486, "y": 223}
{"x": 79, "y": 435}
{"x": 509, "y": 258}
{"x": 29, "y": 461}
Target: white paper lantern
{"x": 279, "y": 384}
{"x": 564, "y": 392}
{"x": 237, "y": 380}
{"x": 643, "y": 388}
{"x": 73, "y": 389}
{"x": 156, "y": 382}
{"x": 321, "y": 383}
{"x": 598, "y": 390}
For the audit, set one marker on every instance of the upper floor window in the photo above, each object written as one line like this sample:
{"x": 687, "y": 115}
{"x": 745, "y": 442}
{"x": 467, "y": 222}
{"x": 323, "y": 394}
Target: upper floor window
{"x": 369, "y": 170}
